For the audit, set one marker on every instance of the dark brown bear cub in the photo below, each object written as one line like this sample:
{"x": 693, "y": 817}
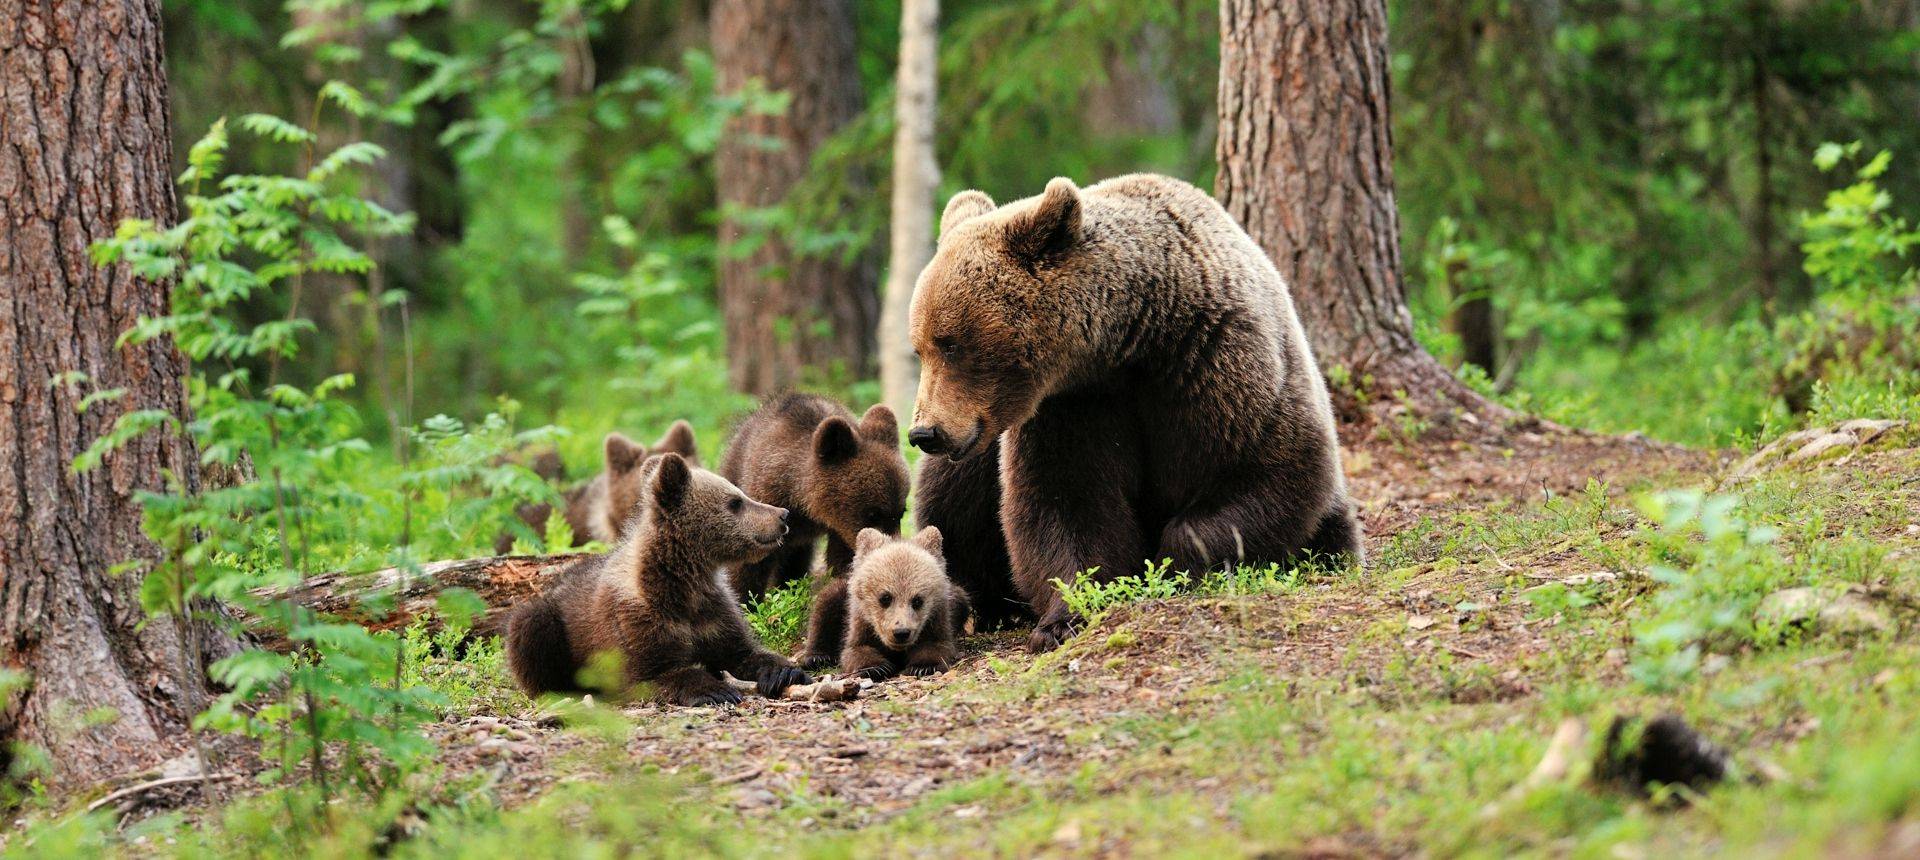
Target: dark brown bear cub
{"x": 656, "y": 600}
{"x": 599, "y": 509}
{"x": 902, "y": 613}
{"x": 806, "y": 453}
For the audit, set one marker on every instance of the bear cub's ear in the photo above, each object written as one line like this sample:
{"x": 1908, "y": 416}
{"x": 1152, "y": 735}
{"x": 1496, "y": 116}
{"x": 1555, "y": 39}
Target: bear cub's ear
{"x": 678, "y": 440}
{"x": 623, "y": 454}
{"x": 879, "y": 425}
{"x": 929, "y": 539}
{"x": 671, "y": 478}
{"x": 834, "y": 440}
{"x": 869, "y": 540}
{"x": 963, "y": 206}
{"x": 1050, "y": 229}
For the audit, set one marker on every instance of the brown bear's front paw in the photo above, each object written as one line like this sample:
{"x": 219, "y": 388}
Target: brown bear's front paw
{"x": 1048, "y": 635}
{"x": 923, "y": 670}
{"x": 815, "y": 662}
{"x": 775, "y": 680}
{"x": 715, "y": 696}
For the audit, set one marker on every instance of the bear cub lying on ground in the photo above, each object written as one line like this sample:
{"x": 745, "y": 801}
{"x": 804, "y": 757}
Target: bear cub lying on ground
{"x": 657, "y": 600}
{"x": 903, "y": 614}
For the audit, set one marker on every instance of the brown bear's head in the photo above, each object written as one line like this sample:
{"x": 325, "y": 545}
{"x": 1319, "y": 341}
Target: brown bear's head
{"x": 897, "y": 585}
{"x": 707, "y": 514}
{"x": 994, "y": 320}
{"x": 858, "y": 477}
{"x": 624, "y": 457}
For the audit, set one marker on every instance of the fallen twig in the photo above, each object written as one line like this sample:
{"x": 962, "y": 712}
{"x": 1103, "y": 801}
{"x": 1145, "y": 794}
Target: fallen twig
{"x": 828, "y": 689}
{"x": 150, "y": 785}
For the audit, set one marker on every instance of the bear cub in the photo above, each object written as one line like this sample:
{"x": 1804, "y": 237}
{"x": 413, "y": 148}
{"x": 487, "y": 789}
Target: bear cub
{"x": 807, "y": 453}
{"x": 599, "y": 509}
{"x": 656, "y": 600}
{"x": 903, "y": 614}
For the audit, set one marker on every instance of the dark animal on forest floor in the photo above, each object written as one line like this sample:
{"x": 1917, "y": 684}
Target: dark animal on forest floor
{"x": 656, "y": 603}
{"x": 1138, "y": 360}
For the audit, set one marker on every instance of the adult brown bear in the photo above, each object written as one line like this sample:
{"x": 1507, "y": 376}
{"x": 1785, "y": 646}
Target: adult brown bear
{"x": 1138, "y": 358}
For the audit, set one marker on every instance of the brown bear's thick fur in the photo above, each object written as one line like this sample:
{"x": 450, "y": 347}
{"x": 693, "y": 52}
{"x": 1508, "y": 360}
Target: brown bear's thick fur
{"x": 657, "y": 600}
{"x": 903, "y": 614}
{"x": 1157, "y": 396}
{"x": 962, "y": 499}
{"x": 599, "y": 509}
{"x": 807, "y": 453}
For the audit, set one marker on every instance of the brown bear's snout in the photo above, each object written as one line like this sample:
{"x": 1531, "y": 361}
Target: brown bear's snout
{"x": 902, "y": 635}
{"x": 775, "y": 531}
{"x": 928, "y": 439}
{"x": 934, "y": 439}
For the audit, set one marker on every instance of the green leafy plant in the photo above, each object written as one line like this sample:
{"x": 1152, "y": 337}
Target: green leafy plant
{"x": 1092, "y": 599}
{"x": 296, "y": 500}
{"x": 779, "y": 616}
{"x": 1711, "y": 569}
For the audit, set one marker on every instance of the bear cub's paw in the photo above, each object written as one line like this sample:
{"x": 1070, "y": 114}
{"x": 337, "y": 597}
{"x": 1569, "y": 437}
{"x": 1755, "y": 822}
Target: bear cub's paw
{"x": 816, "y": 661}
{"x": 922, "y": 670}
{"x": 775, "y": 680}
{"x": 874, "y": 672}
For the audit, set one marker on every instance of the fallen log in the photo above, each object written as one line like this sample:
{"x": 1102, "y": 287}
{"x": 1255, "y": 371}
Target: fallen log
{"x": 500, "y": 581}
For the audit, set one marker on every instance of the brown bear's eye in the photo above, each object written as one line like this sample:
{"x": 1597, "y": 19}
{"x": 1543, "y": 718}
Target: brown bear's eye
{"x": 886, "y": 599}
{"x": 918, "y": 602}
{"x": 736, "y": 504}
{"x": 949, "y": 349}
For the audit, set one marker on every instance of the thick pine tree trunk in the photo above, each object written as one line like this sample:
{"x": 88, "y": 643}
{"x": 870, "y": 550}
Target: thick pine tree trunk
{"x": 786, "y": 313}
{"x": 1306, "y": 165}
{"x": 916, "y": 177}
{"x": 83, "y": 144}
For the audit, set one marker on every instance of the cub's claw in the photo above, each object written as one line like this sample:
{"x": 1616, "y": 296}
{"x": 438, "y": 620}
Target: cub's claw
{"x": 775, "y": 680}
{"x": 812, "y": 662}
{"x": 876, "y": 672}
{"x": 925, "y": 669}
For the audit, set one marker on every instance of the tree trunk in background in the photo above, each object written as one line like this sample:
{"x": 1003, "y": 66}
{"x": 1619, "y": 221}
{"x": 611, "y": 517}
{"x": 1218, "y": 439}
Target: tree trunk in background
{"x": 83, "y": 144}
{"x": 1306, "y": 166}
{"x": 916, "y": 176}
{"x": 1758, "y": 82}
{"x": 786, "y": 313}
{"x": 1136, "y": 99}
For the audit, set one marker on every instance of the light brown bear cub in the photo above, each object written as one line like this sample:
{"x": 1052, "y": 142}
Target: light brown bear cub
{"x": 903, "y": 614}
{"x": 600, "y": 509}
{"x": 656, "y": 600}
{"x": 838, "y": 475}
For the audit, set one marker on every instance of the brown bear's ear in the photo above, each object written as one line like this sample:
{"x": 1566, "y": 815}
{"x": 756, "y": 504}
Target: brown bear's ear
{"x": 869, "y": 540}
{"x": 678, "y": 440}
{"x": 670, "y": 481}
{"x": 623, "y": 454}
{"x": 929, "y": 539}
{"x": 834, "y": 440}
{"x": 965, "y": 205}
{"x": 879, "y": 425}
{"x": 1050, "y": 228}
